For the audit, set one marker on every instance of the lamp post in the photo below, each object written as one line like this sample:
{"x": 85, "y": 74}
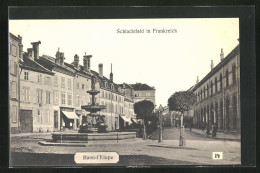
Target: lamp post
{"x": 160, "y": 123}
{"x": 181, "y": 141}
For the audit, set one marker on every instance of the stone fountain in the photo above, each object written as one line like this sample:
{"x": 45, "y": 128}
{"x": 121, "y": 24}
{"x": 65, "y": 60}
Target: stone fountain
{"x": 90, "y": 131}
{"x": 93, "y": 108}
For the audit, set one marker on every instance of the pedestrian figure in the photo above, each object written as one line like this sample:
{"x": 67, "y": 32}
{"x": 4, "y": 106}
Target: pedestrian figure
{"x": 214, "y": 130}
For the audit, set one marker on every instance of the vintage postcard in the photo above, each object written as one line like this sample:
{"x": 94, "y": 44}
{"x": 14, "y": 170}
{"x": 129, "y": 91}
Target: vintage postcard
{"x": 124, "y": 92}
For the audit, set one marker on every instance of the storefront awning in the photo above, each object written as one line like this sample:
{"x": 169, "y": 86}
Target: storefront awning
{"x": 70, "y": 115}
{"x": 135, "y": 120}
{"x": 126, "y": 119}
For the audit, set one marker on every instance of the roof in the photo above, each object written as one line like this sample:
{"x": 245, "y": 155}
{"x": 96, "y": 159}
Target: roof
{"x": 125, "y": 85}
{"x": 14, "y": 37}
{"x": 140, "y": 86}
{"x": 29, "y": 64}
{"x": 49, "y": 63}
{"x": 220, "y": 65}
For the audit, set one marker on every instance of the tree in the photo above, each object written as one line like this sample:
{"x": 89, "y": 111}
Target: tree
{"x": 182, "y": 101}
{"x": 144, "y": 110}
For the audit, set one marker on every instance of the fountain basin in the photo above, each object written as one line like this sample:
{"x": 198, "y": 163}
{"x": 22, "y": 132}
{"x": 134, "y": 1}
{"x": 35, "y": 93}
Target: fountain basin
{"x": 93, "y": 108}
{"x": 61, "y": 137}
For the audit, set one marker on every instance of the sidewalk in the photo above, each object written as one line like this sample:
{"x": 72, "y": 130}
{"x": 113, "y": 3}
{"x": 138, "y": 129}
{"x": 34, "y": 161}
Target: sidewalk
{"x": 220, "y": 135}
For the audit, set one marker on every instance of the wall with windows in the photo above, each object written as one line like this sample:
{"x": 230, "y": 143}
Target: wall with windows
{"x": 63, "y": 86}
{"x": 36, "y": 95}
{"x": 140, "y": 95}
{"x": 81, "y": 85}
{"x": 114, "y": 103}
{"x": 14, "y": 82}
{"x": 219, "y": 96}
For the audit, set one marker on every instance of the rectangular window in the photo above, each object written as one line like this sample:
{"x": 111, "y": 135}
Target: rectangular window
{"x": 39, "y": 78}
{"x": 13, "y": 68}
{"x": 48, "y": 116}
{"x": 62, "y": 82}
{"x": 47, "y": 81}
{"x": 14, "y": 114}
{"x": 39, "y": 96}
{"x": 13, "y": 89}
{"x": 69, "y": 99}
{"x": 48, "y": 97}
{"x": 39, "y": 112}
{"x": 82, "y": 86}
{"x": 56, "y": 81}
{"x": 77, "y": 100}
{"x": 26, "y": 94}
{"x": 13, "y": 50}
{"x": 83, "y": 100}
{"x": 26, "y": 75}
{"x": 69, "y": 84}
{"x": 56, "y": 97}
{"x": 63, "y": 98}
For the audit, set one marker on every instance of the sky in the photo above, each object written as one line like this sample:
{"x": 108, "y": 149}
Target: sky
{"x": 170, "y": 62}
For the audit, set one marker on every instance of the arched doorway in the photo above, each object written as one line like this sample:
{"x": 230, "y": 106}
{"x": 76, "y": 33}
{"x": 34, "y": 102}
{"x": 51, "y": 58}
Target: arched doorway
{"x": 201, "y": 119}
{"x": 234, "y": 106}
{"x": 227, "y": 114}
{"x": 221, "y": 115}
{"x": 216, "y": 114}
{"x": 212, "y": 118}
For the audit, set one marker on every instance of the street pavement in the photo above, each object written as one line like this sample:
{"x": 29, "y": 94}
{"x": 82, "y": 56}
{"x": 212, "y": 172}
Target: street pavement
{"x": 138, "y": 152}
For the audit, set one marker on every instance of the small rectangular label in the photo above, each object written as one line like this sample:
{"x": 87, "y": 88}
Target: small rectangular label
{"x": 96, "y": 157}
{"x": 217, "y": 155}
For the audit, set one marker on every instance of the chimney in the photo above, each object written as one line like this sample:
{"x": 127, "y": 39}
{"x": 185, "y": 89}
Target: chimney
{"x": 57, "y": 60}
{"x": 36, "y": 49}
{"x": 86, "y": 62}
{"x": 100, "y": 69}
{"x": 211, "y": 65}
{"x": 20, "y": 47}
{"x": 111, "y": 74}
{"x": 197, "y": 80}
{"x": 76, "y": 61}
{"x": 30, "y": 53}
{"x": 221, "y": 54}
{"x": 62, "y": 58}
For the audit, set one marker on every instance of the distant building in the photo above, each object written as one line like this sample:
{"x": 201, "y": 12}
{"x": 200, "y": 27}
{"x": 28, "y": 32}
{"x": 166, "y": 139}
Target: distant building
{"x": 143, "y": 92}
{"x": 15, "y": 54}
{"x": 218, "y": 95}
{"x": 112, "y": 97}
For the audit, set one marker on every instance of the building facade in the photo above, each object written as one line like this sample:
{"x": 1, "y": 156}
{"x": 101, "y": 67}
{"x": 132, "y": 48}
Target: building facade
{"x": 46, "y": 93}
{"x": 218, "y": 95}
{"x": 36, "y": 98}
{"x": 143, "y": 92}
{"x": 15, "y": 54}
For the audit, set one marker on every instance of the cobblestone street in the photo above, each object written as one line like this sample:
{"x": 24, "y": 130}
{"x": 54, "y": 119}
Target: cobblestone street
{"x": 198, "y": 150}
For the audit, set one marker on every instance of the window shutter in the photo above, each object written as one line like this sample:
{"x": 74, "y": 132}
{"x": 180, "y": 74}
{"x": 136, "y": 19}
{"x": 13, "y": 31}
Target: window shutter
{"x": 29, "y": 95}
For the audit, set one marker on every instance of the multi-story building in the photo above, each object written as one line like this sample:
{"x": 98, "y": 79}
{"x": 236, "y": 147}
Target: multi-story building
{"x": 143, "y": 92}
{"x": 36, "y": 87}
{"x": 112, "y": 97}
{"x": 218, "y": 95}
{"x": 15, "y": 53}
{"x": 82, "y": 83}
{"x": 130, "y": 116}
{"x": 63, "y": 91}
{"x": 53, "y": 91}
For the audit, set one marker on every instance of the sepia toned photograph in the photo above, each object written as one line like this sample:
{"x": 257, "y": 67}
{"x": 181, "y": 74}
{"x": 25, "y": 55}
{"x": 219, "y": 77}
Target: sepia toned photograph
{"x": 124, "y": 92}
